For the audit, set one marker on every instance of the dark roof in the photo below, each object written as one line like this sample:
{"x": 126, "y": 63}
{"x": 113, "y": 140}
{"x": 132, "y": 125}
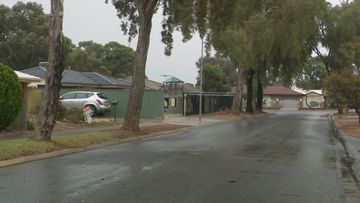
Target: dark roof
{"x": 106, "y": 80}
{"x": 71, "y": 77}
{"x": 280, "y": 90}
{"x": 75, "y": 77}
{"x": 38, "y": 71}
{"x": 149, "y": 84}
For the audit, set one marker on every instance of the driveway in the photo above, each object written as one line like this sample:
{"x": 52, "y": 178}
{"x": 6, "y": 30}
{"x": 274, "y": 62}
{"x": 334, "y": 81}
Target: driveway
{"x": 282, "y": 157}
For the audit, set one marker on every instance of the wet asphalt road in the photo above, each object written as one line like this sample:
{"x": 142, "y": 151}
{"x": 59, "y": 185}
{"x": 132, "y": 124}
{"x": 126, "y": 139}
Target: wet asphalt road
{"x": 281, "y": 157}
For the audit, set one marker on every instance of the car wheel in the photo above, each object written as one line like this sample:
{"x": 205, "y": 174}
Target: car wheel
{"x": 93, "y": 110}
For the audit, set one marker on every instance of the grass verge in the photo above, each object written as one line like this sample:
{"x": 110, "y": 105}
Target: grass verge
{"x": 11, "y": 149}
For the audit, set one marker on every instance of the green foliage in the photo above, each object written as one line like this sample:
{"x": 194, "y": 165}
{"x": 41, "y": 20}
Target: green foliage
{"x": 74, "y": 115}
{"x": 344, "y": 87}
{"x": 225, "y": 65}
{"x": 340, "y": 35}
{"x": 110, "y": 59}
{"x": 312, "y": 76}
{"x": 186, "y": 16}
{"x": 213, "y": 79}
{"x": 24, "y": 35}
{"x": 10, "y": 96}
{"x": 267, "y": 36}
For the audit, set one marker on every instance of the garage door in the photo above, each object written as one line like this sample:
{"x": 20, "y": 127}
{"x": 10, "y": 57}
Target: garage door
{"x": 291, "y": 104}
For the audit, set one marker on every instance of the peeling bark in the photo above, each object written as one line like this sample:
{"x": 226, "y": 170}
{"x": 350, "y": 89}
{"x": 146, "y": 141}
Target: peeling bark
{"x": 47, "y": 116}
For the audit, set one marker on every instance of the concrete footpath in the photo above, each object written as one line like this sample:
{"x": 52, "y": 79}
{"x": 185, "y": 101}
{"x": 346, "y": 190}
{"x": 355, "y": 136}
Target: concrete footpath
{"x": 351, "y": 147}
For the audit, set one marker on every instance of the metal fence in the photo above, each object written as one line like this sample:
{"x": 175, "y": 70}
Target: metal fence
{"x": 152, "y": 106}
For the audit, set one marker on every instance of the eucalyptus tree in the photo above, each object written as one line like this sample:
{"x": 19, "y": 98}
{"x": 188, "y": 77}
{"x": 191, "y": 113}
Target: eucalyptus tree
{"x": 23, "y": 35}
{"x": 136, "y": 16}
{"x": 339, "y": 34}
{"x": 267, "y": 36}
{"x": 47, "y": 114}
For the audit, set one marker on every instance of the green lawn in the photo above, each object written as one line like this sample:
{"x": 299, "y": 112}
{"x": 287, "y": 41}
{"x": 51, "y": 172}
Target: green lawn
{"x": 23, "y": 147}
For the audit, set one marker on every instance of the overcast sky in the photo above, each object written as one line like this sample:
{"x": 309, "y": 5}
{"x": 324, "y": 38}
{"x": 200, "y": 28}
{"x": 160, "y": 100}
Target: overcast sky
{"x": 97, "y": 21}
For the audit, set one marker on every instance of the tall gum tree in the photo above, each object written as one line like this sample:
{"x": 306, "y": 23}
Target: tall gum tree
{"x": 187, "y": 16}
{"x": 47, "y": 115}
{"x": 269, "y": 35}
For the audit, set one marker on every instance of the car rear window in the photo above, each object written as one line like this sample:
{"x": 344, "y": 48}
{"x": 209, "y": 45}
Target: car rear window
{"x": 101, "y": 95}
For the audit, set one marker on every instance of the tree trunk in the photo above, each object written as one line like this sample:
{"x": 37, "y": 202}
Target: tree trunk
{"x": 47, "y": 115}
{"x": 132, "y": 116}
{"x": 259, "y": 102}
{"x": 249, "y": 81}
{"x": 236, "y": 103}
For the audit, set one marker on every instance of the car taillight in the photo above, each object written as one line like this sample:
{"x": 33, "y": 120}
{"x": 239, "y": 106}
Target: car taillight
{"x": 99, "y": 102}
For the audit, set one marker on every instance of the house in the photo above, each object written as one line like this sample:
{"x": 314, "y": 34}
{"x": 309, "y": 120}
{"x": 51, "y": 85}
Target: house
{"x": 312, "y": 98}
{"x": 280, "y": 97}
{"x": 21, "y": 121}
{"x": 76, "y": 79}
{"x": 116, "y": 90}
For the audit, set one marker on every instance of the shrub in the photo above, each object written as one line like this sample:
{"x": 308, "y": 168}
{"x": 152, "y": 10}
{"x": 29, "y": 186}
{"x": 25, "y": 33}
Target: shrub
{"x": 74, "y": 115}
{"x": 10, "y": 96}
{"x": 61, "y": 112}
{"x": 30, "y": 125}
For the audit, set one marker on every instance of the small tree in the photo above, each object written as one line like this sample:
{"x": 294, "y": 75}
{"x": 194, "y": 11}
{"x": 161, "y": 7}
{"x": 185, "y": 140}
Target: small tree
{"x": 335, "y": 85}
{"x": 10, "y": 96}
{"x": 213, "y": 79}
{"x": 344, "y": 87}
{"x": 353, "y": 94}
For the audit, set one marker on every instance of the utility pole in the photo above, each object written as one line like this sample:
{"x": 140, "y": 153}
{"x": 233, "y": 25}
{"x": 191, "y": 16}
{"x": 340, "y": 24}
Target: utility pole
{"x": 201, "y": 79}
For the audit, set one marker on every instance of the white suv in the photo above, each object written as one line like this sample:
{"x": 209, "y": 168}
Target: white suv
{"x": 80, "y": 99}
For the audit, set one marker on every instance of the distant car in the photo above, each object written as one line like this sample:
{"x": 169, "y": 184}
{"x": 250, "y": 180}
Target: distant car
{"x": 80, "y": 99}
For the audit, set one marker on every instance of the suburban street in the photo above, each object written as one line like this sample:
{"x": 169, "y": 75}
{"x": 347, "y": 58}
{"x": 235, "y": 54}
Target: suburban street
{"x": 285, "y": 157}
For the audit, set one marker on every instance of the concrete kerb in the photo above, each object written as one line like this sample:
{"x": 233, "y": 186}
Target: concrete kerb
{"x": 350, "y": 152}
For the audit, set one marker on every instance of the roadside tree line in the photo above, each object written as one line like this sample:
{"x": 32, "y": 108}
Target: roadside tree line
{"x": 267, "y": 41}
{"x": 24, "y": 42}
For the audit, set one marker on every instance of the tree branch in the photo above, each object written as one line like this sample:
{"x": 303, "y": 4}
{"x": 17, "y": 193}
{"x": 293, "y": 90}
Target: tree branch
{"x": 150, "y": 6}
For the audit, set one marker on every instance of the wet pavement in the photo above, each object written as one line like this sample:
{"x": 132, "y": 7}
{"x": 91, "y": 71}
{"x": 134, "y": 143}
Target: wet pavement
{"x": 281, "y": 157}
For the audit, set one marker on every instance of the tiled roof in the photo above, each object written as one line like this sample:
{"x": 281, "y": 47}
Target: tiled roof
{"x": 71, "y": 77}
{"x": 106, "y": 80}
{"x": 75, "y": 77}
{"x": 280, "y": 90}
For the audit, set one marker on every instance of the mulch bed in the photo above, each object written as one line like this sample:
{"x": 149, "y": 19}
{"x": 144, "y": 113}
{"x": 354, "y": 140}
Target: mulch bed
{"x": 350, "y": 124}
